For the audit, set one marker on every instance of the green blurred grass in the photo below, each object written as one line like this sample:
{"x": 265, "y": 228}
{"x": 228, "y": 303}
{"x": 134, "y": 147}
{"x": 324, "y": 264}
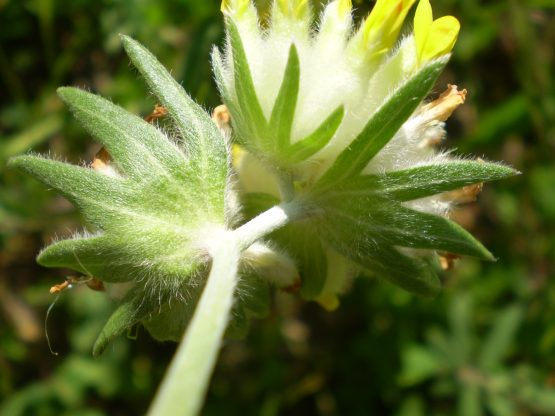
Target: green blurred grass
{"x": 484, "y": 346}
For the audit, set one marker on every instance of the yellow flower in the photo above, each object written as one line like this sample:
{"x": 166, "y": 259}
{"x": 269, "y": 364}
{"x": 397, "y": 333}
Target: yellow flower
{"x": 433, "y": 37}
{"x": 294, "y": 8}
{"x": 381, "y": 28}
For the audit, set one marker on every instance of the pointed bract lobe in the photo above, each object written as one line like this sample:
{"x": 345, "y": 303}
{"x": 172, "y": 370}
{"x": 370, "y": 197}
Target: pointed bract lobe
{"x": 150, "y": 212}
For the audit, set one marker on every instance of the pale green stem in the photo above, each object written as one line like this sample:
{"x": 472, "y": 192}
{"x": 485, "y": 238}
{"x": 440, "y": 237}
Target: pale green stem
{"x": 184, "y": 386}
{"x": 286, "y": 186}
{"x": 262, "y": 225}
{"x": 183, "y": 389}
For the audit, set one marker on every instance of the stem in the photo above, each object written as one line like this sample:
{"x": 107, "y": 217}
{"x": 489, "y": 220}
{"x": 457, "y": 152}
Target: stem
{"x": 286, "y": 187}
{"x": 185, "y": 384}
{"x": 183, "y": 389}
{"x": 276, "y": 217}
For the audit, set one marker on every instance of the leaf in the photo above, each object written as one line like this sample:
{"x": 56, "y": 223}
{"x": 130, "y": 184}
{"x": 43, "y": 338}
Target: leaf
{"x": 419, "y": 364}
{"x": 422, "y": 181}
{"x": 383, "y": 125}
{"x": 94, "y": 256}
{"x": 245, "y": 91}
{"x": 499, "y": 405}
{"x": 460, "y": 321}
{"x": 205, "y": 145}
{"x": 281, "y": 120}
{"x": 539, "y": 399}
{"x": 253, "y": 295}
{"x": 302, "y": 242}
{"x": 252, "y": 301}
{"x": 130, "y": 311}
{"x": 218, "y": 68}
{"x": 469, "y": 401}
{"x": 148, "y": 215}
{"x": 413, "y": 274}
{"x": 94, "y": 193}
{"x": 172, "y": 315}
{"x": 137, "y": 147}
{"x": 314, "y": 142}
{"x": 501, "y": 337}
{"x": 382, "y": 221}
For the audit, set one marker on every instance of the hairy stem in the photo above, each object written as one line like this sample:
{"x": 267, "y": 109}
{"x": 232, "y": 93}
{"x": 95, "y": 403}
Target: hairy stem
{"x": 185, "y": 384}
{"x": 183, "y": 389}
{"x": 262, "y": 225}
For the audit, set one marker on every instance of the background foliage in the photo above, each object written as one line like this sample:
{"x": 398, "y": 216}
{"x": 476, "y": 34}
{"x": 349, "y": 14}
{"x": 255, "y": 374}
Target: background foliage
{"x": 483, "y": 346}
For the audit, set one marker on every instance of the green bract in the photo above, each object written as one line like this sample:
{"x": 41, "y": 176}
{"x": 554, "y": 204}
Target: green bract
{"x": 152, "y": 214}
{"x": 349, "y": 140}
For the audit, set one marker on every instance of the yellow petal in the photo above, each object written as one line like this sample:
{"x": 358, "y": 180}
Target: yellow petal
{"x": 423, "y": 19}
{"x": 433, "y": 38}
{"x": 441, "y": 39}
{"x": 293, "y": 8}
{"x": 301, "y": 8}
{"x": 284, "y": 6}
{"x": 382, "y": 27}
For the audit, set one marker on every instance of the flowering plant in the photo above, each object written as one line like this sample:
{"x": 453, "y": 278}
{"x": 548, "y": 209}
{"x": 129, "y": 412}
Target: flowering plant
{"x": 334, "y": 117}
{"x": 321, "y": 166}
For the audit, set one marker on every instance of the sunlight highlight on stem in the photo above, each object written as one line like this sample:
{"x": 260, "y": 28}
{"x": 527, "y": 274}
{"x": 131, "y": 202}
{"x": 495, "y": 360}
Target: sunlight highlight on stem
{"x": 184, "y": 387}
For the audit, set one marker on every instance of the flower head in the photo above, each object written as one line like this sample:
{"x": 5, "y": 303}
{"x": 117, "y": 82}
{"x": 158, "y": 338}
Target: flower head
{"x": 329, "y": 122}
{"x": 338, "y": 113}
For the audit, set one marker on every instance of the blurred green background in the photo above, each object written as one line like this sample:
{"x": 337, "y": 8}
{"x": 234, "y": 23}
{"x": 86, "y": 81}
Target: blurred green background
{"x": 485, "y": 345}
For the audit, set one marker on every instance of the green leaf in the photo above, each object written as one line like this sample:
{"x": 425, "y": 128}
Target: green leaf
{"x": 501, "y": 337}
{"x": 148, "y": 213}
{"x": 374, "y": 220}
{"x": 218, "y": 68}
{"x": 416, "y": 275}
{"x": 380, "y": 259}
{"x": 383, "y": 125}
{"x": 302, "y": 242}
{"x": 253, "y": 295}
{"x": 422, "y": 181}
{"x": 137, "y": 147}
{"x": 419, "y": 364}
{"x": 153, "y": 204}
{"x": 252, "y": 301}
{"x": 314, "y": 142}
{"x": 173, "y": 314}
{"x": 469, "y": 401}
{"x": 461, "y": 324}
{"x": 281, "y": 120}
{"x": 244, "y": 89}
{"x": 98, "y": 256}
{"x": 91, "y": 191}
{"x": 499, "y": 405}
{"x": 537, "y": 398}
{"x": 130, "y": 311}
{"x": 239, "y": 325}
{"x": 205, "y": 145}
